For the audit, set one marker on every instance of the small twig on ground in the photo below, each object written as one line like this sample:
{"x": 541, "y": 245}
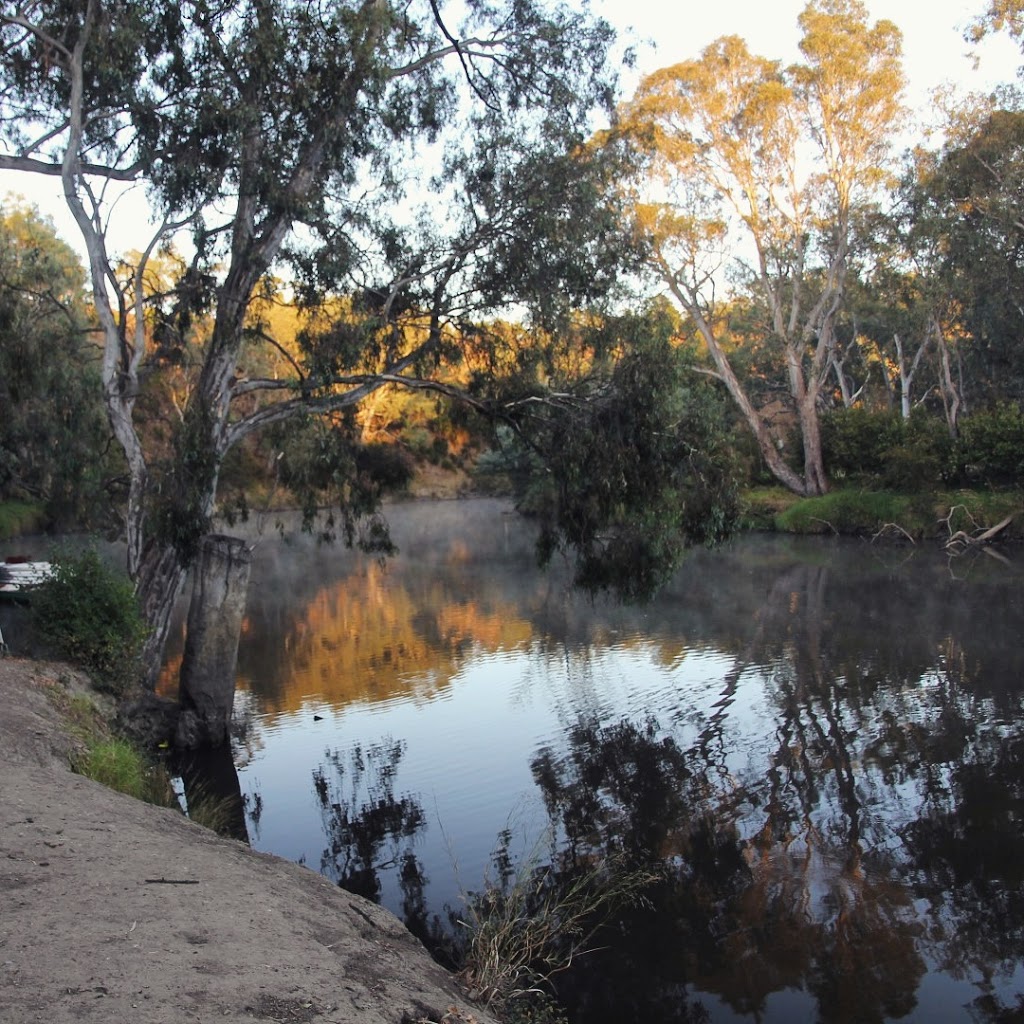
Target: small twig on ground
{"x": 815, "y": 519}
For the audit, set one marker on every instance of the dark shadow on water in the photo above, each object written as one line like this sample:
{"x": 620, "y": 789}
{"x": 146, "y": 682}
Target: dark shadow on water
{"x": 213, "y": 793}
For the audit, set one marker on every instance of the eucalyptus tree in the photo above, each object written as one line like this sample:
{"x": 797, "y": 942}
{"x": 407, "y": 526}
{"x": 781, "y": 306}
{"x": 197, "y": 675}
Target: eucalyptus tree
{"x": 966, "y": 218}
{"x": 299, "y": 135}
{"x": 53, "y": 432}
{"x": 999, "y": 16}
{"x": 767, "y": 171}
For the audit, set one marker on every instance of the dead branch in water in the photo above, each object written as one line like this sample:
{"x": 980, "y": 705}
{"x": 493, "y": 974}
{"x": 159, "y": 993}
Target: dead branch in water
{"x": 886, "y": 527}
{"x": 960, "y": 540}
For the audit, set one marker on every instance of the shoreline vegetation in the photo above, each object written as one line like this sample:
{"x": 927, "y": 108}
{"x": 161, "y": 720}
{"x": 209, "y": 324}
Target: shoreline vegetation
{"x": 845, "y": 511}
{"x": 913, "y": 517}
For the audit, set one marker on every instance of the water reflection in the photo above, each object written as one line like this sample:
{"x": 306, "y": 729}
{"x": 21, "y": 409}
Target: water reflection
{"x": 819, "y": 742}
{"x": 212, "y": 791}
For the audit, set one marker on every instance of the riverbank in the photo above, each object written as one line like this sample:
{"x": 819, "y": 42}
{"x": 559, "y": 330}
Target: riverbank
{"x": 118, "y": 911}
{"x": 852, "y": 511}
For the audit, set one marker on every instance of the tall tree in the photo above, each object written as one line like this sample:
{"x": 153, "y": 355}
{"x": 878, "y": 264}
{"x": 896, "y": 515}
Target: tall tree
{"x": 966, "y": 219}
{"x": 286, "y": 133}
{"x": 777, "y": 165}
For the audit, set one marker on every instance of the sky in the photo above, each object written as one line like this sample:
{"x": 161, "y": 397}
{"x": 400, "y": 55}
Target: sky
{"x": 668, "y": 31}
{"x": 933, "y": 43}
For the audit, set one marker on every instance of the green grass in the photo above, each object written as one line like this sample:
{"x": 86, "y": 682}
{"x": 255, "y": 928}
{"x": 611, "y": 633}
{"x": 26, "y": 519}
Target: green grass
{"x": 859, "y": 512}
{"x": 117, "y": 765}
{"x": 973, "y": 511}
{"x": 18, "y": 517}
{"x": 105, "y": 757}
{"x": 853, "y": 512}
{"x": 759, "y": 506}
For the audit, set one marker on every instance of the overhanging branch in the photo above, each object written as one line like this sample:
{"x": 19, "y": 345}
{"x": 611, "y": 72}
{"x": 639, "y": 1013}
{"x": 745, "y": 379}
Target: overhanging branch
{"x": 31, "y": 164}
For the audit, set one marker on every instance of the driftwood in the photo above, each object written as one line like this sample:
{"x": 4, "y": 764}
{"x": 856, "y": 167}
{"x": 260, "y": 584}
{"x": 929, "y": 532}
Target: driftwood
{"x": 892, "y": 528}
{"x": 960, "y": 540}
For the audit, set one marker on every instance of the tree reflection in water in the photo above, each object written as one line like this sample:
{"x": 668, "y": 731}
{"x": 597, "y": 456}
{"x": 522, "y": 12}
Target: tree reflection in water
{"x": 801, "y": 871}
{"x": 866, "y": 831}
{"x": 368, "y": 828}
{"x": 742, "y": 918}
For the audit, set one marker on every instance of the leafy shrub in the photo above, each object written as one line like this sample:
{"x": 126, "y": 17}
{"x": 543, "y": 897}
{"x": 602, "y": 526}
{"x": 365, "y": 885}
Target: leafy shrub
{"x": 881, "y": 448}
{"x": 854, "y": 442}
{"x": 990, "y": 447}
{"x": 919, "y": 459}
{"x": 90, "y": 614}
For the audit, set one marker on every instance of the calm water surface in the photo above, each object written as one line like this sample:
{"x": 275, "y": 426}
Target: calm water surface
{"x": 820, "y": 740}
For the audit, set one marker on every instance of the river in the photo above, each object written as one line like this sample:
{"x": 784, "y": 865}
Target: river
{"x": 819, "y": 740}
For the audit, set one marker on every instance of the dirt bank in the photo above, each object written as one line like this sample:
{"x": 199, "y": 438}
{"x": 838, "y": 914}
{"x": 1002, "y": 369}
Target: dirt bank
{"x": 115, "y": 911}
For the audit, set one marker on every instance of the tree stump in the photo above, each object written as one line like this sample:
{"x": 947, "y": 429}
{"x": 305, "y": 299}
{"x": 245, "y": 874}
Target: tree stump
{"x": 207, "y": 679}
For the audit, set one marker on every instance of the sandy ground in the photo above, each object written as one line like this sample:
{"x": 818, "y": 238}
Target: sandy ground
{"x": 112, "y": 910}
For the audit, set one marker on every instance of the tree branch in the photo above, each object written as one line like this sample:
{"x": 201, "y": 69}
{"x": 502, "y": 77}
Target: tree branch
{"x": 26, "y": 163}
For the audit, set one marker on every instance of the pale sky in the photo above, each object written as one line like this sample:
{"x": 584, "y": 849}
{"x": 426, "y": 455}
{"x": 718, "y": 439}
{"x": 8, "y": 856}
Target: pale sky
{"x": 934, "y": 52}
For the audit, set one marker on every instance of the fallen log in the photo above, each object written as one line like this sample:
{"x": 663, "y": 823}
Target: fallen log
{"x": 961, "y": 540}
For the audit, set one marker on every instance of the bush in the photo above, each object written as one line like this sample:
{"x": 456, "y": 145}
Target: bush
{"x": 854, "y": 442}
{"x": 991, "y": 447}
{"x": 918, "y": 461}
{"x": 89, "y": 613}
{"x": 882, "y": 449}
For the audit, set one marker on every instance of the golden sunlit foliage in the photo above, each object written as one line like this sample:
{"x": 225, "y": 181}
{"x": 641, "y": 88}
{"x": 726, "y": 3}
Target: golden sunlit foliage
{"x": 765, "y": 171}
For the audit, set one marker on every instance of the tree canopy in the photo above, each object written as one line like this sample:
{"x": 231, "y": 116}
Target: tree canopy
{"x": 779, "y": 166}
{"x": 54, "y": 438}
{"x": 429, "y": 172}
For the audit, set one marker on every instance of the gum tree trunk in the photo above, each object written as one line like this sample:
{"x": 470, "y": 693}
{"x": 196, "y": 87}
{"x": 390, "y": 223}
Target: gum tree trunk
{"x": 207, "y": 681}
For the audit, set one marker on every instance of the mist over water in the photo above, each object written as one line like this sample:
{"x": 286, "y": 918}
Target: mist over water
{"x": 819, "y": 741}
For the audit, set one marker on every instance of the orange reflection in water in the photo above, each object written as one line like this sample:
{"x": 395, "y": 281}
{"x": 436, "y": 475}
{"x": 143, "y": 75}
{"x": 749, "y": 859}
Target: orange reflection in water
{"x": 365, "y": 638}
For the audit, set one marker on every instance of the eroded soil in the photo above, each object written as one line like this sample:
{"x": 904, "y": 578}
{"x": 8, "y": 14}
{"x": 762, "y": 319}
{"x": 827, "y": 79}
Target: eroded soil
{"x": 112, "y": 910}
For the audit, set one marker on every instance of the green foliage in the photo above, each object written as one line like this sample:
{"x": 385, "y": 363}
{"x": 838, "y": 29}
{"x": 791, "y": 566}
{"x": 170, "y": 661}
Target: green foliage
{"x": 853, "y": 512}
{"x": 90, "y": 613}
{"x": 632, "y": 467}
{"x": 54, "y": 436}
{"x": 881, "y": 449}
{"x": 965, "y": 216}
{"x": 17, "y": 517}
{"x": 854, "y": 441}
{"x": 990, "y": 447}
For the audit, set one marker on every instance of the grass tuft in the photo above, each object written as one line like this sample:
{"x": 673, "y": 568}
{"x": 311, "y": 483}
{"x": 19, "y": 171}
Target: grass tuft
{"x": 531, "y": 923}
{"x": 18, "y": 517}
{"x": 850, "y": 512}
{"x": 116, "y": 764}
